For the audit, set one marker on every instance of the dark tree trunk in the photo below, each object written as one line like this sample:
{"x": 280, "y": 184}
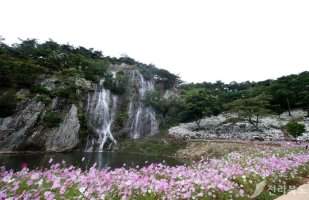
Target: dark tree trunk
{"x": 289, "y": 108}
{"x": 253, "y": 123}
{"x": 198, "y": 124}
{"x": 257, "y": 122}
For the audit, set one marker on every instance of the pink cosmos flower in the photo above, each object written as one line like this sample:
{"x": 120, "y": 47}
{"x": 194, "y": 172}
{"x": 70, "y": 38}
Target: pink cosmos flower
{"x": 48, "y": 195}
{"x": 24, "y": 165}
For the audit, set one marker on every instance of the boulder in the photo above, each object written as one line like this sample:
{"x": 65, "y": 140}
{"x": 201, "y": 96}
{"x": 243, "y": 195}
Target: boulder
{"x": 16, "y": 129}
{"x": 65, "y": 137}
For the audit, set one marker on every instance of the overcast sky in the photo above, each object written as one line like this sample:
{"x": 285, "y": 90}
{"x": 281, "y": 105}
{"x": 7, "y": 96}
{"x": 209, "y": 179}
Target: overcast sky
{"x": 201, "y": 40}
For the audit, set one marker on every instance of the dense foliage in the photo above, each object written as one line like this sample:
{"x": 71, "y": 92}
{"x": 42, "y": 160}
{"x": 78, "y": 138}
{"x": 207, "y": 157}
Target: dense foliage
{"x": 52, "y": 119}
{"x": 7, "y": 104}
{"x": 250, "y": 109}
{"x": 283, "y": 94}
{"x": 198, "y": 103}
{"x": 21, "y": 64}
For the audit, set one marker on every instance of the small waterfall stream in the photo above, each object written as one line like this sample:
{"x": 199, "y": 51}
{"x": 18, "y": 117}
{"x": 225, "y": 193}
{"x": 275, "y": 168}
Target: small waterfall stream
{"x": 144, "y": 118}
{"x": 102, "y": 107}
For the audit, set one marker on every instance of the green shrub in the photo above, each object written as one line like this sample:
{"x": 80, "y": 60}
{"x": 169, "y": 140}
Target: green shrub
{"x": 120, "y": 83}
{"x": 153, "y": 99}
{"x": 83, "y": 131}
{"x": 41, "y": 89}
{"x": 121, "y": 118}
{"x": 73, "y": 72}
{"x": 108, "y": 82}
{"x": 62, "y": 92}
{"x": 25, "y": 75}
{"x": 233, "y": 120}
{"x": 66, "y": 91}
{"x": 45, "y": 99}
{"x": 147, "y": 74}
{"x": 6, "y": 73}
{"x": 294, "y": 128}
{"x": 95, "y": 70}
{"x": 81, "y": 116}
{"x": 52, "y": 119}
{"x": 8, "y": 104}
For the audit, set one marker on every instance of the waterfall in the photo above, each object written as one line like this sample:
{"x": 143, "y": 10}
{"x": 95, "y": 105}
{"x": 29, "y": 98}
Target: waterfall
{"x": 101, "y": 110}
{"x": 143, "y": 119}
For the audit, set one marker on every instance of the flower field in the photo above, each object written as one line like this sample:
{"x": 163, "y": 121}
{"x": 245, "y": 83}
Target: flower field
{"x": 261, "y": 172}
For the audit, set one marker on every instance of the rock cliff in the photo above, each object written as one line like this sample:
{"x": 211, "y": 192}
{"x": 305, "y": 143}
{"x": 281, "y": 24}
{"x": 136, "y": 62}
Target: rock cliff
{"x": 89, "y": 115}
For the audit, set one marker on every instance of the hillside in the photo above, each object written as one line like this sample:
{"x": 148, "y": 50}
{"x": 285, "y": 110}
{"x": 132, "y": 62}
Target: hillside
{"x": 56, "y": 97}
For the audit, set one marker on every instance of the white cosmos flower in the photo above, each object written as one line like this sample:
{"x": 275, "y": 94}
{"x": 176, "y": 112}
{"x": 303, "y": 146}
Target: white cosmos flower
{"x": 40, "y": 182}
{"x": 82, "y": 189}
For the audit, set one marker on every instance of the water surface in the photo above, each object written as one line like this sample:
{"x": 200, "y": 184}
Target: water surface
{"x": 103, "y": 160}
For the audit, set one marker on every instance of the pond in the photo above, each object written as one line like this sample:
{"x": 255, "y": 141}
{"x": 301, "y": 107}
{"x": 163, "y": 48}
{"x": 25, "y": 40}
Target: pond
{"x": 83, "y": 160}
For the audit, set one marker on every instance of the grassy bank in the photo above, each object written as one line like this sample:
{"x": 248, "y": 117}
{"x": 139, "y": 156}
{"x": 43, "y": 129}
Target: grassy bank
{"x": 195, "y": 149}
{"x": 161, "y": 144}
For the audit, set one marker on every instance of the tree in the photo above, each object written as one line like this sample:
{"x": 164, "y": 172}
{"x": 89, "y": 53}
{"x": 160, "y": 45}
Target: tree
{"x": 250, "y": 108}
{"x": 284, "y": 93}
{"x": 1, "y": 40}
{"x": 167, "y": 78}
{"x": 198, "y": 103}
{"x": 300, "y": 87}
{"x": 28, "y": 48}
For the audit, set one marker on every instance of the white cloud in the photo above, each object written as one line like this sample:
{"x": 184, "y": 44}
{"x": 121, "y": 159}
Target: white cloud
{"x": 201, "y": 40}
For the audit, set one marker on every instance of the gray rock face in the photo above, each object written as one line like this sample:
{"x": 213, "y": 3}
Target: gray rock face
{"x": 5, "y": 123}
{"x": 83, "y": 83}
{"x": 15, "y": 130}
{"x": 65, "y": 137}
{"x": 125, "y": 114}
{"x": 24, "y": 131}
{"x": 50, "y": 83}
{"x": 116, "y": 67}
{"x": 173, "y": 93}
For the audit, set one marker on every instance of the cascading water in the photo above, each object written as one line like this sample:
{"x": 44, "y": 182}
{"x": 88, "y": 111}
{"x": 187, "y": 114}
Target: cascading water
{"x": 143, "y": 119}
{"x": 100, "y": 118}
{"x": 102, "y": 111}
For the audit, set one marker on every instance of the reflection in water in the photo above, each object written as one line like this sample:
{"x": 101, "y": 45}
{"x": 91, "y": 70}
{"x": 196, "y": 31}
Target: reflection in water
{"x": 103, "y": 160}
